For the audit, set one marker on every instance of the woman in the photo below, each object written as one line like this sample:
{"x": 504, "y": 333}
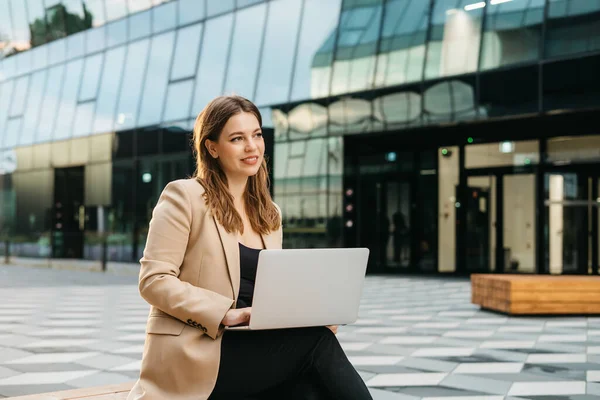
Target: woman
{"x": 198, "y": 275}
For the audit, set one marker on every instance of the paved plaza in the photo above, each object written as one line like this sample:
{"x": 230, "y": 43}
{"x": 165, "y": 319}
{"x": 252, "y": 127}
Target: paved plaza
{"x": 417, "y": 338}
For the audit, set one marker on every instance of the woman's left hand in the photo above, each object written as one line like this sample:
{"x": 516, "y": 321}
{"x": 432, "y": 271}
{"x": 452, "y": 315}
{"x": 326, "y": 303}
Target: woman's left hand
{"x": 333, "y": 328}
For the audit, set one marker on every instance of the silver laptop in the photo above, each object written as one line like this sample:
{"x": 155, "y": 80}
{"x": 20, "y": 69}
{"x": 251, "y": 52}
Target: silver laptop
{"x": 307, "y": 287}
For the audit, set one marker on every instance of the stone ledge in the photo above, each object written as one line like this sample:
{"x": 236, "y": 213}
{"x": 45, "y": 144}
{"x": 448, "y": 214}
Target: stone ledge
{"x": 110, "y": 392}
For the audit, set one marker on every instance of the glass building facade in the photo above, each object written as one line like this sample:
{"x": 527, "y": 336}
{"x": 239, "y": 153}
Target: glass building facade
{"x": 445, "y": 135}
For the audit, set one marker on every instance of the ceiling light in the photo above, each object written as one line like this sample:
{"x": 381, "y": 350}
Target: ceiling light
{"x": 475, "y": 6}
{"x": 494, "y": 2}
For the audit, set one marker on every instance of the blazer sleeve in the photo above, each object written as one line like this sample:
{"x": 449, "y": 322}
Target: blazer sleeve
{"x": 159, "y": 282}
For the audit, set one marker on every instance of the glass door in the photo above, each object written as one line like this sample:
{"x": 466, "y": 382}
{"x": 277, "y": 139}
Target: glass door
{"x": 481, "y": 213}
{"x": 571, "y": 206}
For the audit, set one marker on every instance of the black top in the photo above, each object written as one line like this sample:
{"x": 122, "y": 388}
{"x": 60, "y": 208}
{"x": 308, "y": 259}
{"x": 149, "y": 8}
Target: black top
{"x": 248, "y": 264}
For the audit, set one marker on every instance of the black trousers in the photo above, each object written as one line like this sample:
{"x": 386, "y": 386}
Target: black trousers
{"x": 303, "y": 363}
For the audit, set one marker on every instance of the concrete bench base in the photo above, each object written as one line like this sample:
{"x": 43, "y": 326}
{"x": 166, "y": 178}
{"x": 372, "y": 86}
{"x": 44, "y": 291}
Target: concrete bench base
{"x": 110, "y": 392}
{"x": 537, "y": 294}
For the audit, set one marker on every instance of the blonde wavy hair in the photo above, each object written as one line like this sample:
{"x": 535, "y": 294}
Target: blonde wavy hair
{"x": 262, "y": 212}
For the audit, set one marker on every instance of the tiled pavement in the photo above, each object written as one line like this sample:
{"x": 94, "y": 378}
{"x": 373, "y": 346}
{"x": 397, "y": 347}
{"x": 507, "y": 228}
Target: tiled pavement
{"x": 417, "y": 338}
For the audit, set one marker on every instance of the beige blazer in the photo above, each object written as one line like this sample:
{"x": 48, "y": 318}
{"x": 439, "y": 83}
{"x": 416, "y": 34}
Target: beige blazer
{"x": 190, "y": 275}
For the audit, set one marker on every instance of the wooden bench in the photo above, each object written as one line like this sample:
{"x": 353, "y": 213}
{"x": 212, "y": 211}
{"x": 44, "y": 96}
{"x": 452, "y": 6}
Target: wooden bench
{"x": 537, "y": 294}
{"x": 110, "y": 392}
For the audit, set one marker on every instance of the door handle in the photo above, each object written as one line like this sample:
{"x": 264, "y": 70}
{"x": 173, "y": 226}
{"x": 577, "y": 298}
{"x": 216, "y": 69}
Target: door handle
{"x": 81, "y": 217}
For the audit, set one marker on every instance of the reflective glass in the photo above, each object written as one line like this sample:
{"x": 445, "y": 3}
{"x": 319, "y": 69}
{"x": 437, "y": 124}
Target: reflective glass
{"x": 96, "y": 10}
{"x": 573, "y": 26}
{"x": 139, "y": 5}
{"x": 312, "y": 71}
{"x": 9, "y": 67}
{"x": 358, "y": 33}
{"x": 164, "y": 17}
{"x": 277, "y": 59}
{"x": 37, "y": 21}
{"x": 34, "y": 103}
{"x": 213, "y": 59}
{"x": 512, "y": 32}
{"x": 109, "y": 90}
{"x": 76, "y": 19}
{"x": 24, "y": 62}
{"x": 455, "y": 35}
{"x": 68, "y": 100}
{"x": 6, "y": 24}
{"x": 56, "y": 21}
{"x": 509, "y": 91}
{"x": 243, "y": 60}
{"x": 191, "y": 11}
{"x": 244, "y": 3}
{"x": 20, "y": 27}
{"x": 96, "y": 39}
{"x": 131, "y": 89}
{"x": 179, "y": 97}
{"x": 51, "y": 103}
{"x": 451, "y": 100}
{"x": 402, "y": 49}
{"x": 19, "y": 96}
{"x": 186, "y": 52}
{"x": 153, "y": 97}
{"x": 140, "y": 25}
{"x": 572, "y": 84}
{"x": 91, "y": 77}
{"x": 39, "y": 57}
{"x": 75, "y": 45}
{"x": 11, "y": 136}
{"x": 117, "y": 33}
{"x": 57, "y": 51}
{"x": 84, "y": 117}
{"x": 214, "y": 7}
{"x": 115, "y": 9}
{"x": 6, "y": 91}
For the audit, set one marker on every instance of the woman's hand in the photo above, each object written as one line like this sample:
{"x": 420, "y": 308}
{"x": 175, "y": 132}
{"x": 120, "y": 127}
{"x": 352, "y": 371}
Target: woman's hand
{"x": 333, "y": 328}
{"x": 237, "y": 316}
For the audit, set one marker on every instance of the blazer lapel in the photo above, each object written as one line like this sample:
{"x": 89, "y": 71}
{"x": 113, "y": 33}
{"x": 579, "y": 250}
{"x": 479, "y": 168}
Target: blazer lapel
{"x": 232, "y": 256}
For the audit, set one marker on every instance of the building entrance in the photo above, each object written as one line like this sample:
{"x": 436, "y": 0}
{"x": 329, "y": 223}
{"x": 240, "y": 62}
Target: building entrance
{"x": 68, "y": 213}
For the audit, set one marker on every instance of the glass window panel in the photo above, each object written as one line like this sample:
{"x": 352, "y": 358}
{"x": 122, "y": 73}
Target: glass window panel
{"x": 36, "y": 21}
{"x": 243, "y": 61}
{"x": 76, "y": 45}
{"x": 39, "y": 57}
{"x": 509, "y": 92}
{"x": 68, "y": 100}
{"x": 158, "y": 73}
{"x": 50, "y": 104}
{"x": 313, "y": 64}
{"x": 502, "y": 154}
{"x": 454, "y": 43}
{"x": 573, "y": 26}
{"x": 34, "y": 103}
{"x": 6, "y": 23}
{"x": 20, "y": 28}
{"x": 278, "y": 52}
{"x": 214, "y": 7}
{"x": 91, "y": 77}
{"x": 139, "y": 5}
{"x": 19, "y": 97}
{"x": 56, "y": 21}
{"x": 77, "y": 18}
{"x": 6, "y": 91}
{"x": 24, "y": 62}
{"x": 402, "y": 49}
{"x": 57, "y": 51}
{"x": 315, "y": 162}
{"x": 109, "y": 90}
{"x": 512, "y": 33}
{"x": 10, "y": 67}
{"x": 213, "y": 59}
{"x": 186, "y": 52}
{"x": 354, "y": 65}
{"x": 96, "y": 40}
{"x": 13, "y": 130}
{"x": 96, "y": 10}
{"x": 191, "y": 11}
{"x": 131, "y": 89}
{"x": 244, "y": 3}
{"x": 84, "y": 117}
{"x": 571, "y": 84}
{"x": 179, "y": 97}
{"x": 117, "y": 33}
{"x": 164, "y": 17}
{"x": 140, "y": 25}
{"x": 115, "y": 9}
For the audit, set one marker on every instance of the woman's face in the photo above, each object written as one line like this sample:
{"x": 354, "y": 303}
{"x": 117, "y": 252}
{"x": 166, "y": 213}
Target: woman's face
{"x": 240, "y": 148}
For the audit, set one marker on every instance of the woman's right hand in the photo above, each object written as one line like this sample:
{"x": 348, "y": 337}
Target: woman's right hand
{"x": 237, "y": 316}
